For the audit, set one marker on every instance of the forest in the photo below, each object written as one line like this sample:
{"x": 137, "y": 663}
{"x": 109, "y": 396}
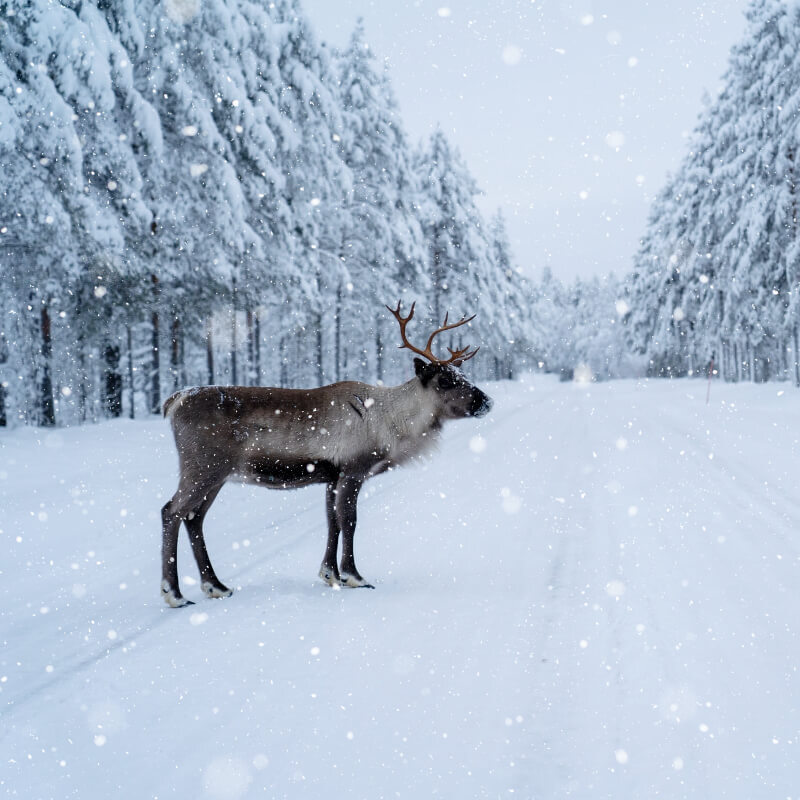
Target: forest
{"x": 204, "y": 193}
{"x": 717, "y": 274}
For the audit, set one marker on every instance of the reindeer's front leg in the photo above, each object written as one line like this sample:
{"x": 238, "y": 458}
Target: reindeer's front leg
{"x": 347, "y": 489}
{"x": 328, "y": 571}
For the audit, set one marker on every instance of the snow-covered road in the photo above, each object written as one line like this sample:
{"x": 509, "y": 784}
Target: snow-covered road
{"x": 590, "y": 593}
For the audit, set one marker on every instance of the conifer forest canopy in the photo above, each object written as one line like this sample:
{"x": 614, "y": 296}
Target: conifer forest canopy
{"x": 203, "y": 192}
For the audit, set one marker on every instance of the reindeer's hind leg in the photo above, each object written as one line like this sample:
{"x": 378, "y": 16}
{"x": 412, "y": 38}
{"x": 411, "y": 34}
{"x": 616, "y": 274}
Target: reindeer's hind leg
{"x": 209, "y": 582}
{"x": 328, "y": 570}
{"x": 171, "y": 525}
{"x": 188, "y": 497}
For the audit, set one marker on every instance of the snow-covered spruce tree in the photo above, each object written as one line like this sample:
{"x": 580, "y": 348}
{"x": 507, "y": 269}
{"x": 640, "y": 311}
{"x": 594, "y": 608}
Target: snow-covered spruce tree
{"x": 546, "y": 314}
{"x": 40, "y": 156}
{"x": 382, "y": 247}
{"x": 94, "y": 75}
{"x": 74, "y": 146}
{"x": 174, "y": 170}
{"x": 459, "y": 254}
{"x": 201, "y": 242}
{"x": 715, "y": 274}
{"x": 262, "y": 142}
{"x": 303, "y": 201}
{"x": 511, "y": 336}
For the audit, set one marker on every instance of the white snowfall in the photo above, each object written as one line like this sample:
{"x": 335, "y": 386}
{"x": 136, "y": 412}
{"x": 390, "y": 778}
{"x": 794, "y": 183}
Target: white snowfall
{"x": 590, "y": 593}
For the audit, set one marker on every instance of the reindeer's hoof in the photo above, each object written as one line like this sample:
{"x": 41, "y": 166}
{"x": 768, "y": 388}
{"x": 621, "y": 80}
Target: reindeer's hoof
{"x": 172, "y": 597}
{"x": 330, "y": 576}
{"x": 355, "y": 581}
{"x": 215, "y": 590}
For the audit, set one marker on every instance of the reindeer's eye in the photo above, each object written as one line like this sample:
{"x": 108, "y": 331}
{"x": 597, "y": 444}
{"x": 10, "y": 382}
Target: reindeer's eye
{"x": 446, "y": 381}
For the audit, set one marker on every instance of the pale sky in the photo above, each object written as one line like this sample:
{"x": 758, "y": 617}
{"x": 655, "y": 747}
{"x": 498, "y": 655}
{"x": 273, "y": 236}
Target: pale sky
{"x": 569, "y": 114}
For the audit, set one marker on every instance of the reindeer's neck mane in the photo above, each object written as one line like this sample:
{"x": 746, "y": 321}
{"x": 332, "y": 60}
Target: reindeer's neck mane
{"x": 411, "y": 416}
{"x": 396, "y": 422}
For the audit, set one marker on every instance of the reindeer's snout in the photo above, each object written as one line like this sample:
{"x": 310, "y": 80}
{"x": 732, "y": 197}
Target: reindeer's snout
{"x": 481, "y": 404}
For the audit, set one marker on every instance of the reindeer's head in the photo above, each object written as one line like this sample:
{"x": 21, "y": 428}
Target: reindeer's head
{"x": 456, "y": 396}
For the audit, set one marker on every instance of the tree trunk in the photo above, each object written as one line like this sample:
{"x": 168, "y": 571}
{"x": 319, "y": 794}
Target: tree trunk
{"x": 257, "y": 340}
{"x": 3, "y": 384}
{"x": 378, "y": 349}
{"x": 132, "y": 410}
{"x": 438, "y": 280}
{"x": 112, "y": 380}
{"x": 234, "y": 343}
{"x": 210, "y": 353}
{"x": 284, "y": 377}
{"x": 320, "y": 370}
{"x": 175, "y": 353}
{"x": 82, "y": 390}
{"x": 723, "y": 364}
{"x": 784, "y": 361}
{"x": 728, "y": 362}
{"x": 47, "y": 412}
{"x": 337, "y": 370}
{"x": 796, "y": 355}
{"x": 251, "y": 348}
{"x": 155, "y": 357}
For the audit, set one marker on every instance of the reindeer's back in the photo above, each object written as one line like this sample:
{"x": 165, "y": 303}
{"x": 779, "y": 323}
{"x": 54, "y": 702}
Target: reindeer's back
{"x": 234, "y": 425}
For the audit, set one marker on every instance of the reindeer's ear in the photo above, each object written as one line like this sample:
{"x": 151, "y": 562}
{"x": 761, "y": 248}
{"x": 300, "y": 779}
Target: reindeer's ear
{"x": 424, "y": 371}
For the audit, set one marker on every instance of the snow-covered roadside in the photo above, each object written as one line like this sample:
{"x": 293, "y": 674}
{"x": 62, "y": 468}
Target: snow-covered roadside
{"x": 588, "y": 593}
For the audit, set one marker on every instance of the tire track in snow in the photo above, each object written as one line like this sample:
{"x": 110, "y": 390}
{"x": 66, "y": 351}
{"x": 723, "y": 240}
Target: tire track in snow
{"x": 736, "y": 470}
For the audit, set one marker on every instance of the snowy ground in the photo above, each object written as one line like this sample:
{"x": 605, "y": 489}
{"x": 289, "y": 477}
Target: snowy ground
{"x": 590, "y": 593}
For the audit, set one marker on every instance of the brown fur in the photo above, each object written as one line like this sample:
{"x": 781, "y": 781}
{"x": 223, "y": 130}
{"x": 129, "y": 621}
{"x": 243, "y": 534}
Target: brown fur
{"x": 340, "y": 435}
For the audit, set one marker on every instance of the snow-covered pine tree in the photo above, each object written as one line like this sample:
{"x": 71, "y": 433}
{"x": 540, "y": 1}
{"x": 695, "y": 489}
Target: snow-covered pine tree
{"x": 714, "y": 273}
{"x": 315, "y": 184}
{"x": 202, "y": 241}
{"x": 382, "y": 249}
{"x": 458, "y": 248}
{"x": 93, "y": 74}
{"x": 193, "y": 180}
{"x": 510, "y": 341}
{"x": 40, "y": 156}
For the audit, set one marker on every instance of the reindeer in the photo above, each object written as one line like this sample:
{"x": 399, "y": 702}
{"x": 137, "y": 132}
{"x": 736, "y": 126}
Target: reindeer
{"x": 339, "y": 435}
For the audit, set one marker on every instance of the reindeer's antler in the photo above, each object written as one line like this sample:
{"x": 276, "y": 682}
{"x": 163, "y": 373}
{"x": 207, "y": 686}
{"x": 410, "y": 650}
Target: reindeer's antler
{"x": 457, "y": 357}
